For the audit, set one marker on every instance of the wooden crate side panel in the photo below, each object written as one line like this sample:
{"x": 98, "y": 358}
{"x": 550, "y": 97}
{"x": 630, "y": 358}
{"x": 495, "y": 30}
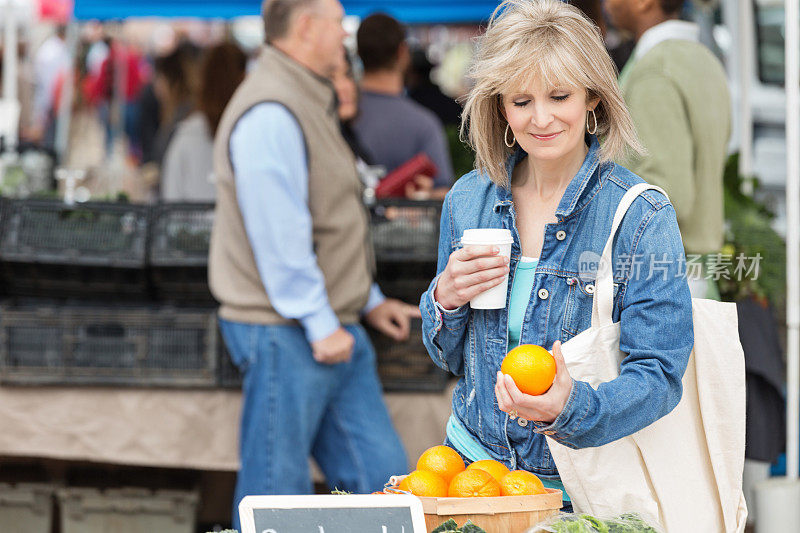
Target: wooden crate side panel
{"x": 497, "y": 523}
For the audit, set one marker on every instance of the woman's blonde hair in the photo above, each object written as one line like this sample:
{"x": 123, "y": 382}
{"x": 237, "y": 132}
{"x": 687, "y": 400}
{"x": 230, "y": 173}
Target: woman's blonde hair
{"x": 551, "y": 42}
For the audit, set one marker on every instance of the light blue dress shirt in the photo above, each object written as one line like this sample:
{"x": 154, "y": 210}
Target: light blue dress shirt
{"x": 268, "y": 155}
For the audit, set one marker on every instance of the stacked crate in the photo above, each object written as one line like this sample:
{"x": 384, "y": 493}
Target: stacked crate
{"x": 82, "y": 309}
{"x": 405, "y": 237}
{"x": 48, "y": 249}
{"x": 117, "y": 294}
{"x": 179, "y": 240}
{"x": 93, "y": 344}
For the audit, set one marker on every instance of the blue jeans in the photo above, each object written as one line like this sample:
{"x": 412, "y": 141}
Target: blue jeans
{"x": 294, "y": 407}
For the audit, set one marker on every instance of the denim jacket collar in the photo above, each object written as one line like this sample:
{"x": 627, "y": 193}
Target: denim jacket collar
{"x": 574, "y": 197}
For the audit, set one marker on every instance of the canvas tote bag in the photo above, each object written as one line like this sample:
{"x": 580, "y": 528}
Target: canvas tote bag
{"x": 685, "y": 469}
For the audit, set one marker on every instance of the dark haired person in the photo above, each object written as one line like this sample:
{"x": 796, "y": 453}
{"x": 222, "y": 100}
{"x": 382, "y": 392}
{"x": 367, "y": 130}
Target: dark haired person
{"x": 173, "y": 84}
{"x": 186, "y": 174}
{"x": 677, "y": 94}
{"x": 392, "y": 127}
{"x": 425, "y": 92}
{"x": 346, "y": 87}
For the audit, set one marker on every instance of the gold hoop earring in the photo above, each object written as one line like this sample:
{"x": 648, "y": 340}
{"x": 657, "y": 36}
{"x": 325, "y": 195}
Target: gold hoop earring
{"x": 505, "y": 137}
{"x": 594, "y": 129}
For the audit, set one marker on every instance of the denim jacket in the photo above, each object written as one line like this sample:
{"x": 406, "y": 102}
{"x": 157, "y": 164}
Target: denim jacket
{"x": 651, "y": 302}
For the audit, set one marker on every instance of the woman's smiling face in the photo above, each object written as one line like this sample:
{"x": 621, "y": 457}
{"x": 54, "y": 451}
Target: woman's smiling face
{"x": 548, "y": 123}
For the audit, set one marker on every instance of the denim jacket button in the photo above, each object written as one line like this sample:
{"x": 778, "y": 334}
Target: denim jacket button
{"x": 561, "y": 235}
{"x": 590, "y": 289}
{"x": 543, "y": 294}
{"x": 522, "y": 422}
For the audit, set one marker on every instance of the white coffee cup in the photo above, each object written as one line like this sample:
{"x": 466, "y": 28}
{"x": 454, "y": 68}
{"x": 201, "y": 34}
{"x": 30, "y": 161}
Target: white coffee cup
{"x": 494, "y": 298}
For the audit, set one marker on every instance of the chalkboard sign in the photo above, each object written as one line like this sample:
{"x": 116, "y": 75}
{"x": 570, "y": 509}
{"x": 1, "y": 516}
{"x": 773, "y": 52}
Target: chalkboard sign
{"x": 332, "y": 513}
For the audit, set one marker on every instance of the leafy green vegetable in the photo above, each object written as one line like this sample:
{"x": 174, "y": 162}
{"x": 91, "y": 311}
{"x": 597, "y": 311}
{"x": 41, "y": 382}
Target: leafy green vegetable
{"x": 469, "y": 527}
{"x": 584, "y": 523}
{"x": 452, "y": 527}
{"x": 447, "y": 527}
{"x": 749, "y": 233}
{"x": 595, "y": 523}
{"x": 634, "y": 520}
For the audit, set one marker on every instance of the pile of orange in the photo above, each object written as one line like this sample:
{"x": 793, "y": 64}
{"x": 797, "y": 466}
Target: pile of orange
{"x": 441, "y": 473}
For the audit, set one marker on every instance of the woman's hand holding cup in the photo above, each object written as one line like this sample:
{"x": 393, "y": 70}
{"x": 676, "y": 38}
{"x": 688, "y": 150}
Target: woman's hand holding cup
{"x": 469, "y": 272}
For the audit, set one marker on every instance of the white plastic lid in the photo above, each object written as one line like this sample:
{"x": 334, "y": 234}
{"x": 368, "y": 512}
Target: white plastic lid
{"x": 487, "y": 236}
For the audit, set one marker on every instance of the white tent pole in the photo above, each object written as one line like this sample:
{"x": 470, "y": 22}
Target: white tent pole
{"x": 67, "y": 92}
{"x": 746, "y": 47}
{"x": 10, "y": 66}
{"x": 792, "y": 233}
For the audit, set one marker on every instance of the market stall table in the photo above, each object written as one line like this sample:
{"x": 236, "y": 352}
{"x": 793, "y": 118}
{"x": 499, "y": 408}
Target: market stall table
{"x": 194, "y": 429}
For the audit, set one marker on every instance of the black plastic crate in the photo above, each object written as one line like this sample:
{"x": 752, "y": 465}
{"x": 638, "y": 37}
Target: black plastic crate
{"x": 406, "y": 230}
{"x": 92, "y": 234}
{"x": 96, "y": 345}
{"x": 405, "y": 281}
{"x": 406, "y": 366}
{"x": 402, "y": 366}
{"x": 179, "y": 240}
{"x": 96, "y": 249}
{"x": 180, "y": 234}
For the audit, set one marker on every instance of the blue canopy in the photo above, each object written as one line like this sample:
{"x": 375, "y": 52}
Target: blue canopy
{"x": 422, "y": 11}
{"x": 408, "y": 11}
{"x": 122, "y": 9}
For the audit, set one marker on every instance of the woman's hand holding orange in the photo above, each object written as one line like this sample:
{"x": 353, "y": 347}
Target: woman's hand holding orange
{"x": 470, "y": 271}
{"x": 543, "y": 408}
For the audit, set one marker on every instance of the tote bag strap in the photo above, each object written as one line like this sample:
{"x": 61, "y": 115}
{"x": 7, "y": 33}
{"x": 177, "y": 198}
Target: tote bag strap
{"x": 603, "y": 304}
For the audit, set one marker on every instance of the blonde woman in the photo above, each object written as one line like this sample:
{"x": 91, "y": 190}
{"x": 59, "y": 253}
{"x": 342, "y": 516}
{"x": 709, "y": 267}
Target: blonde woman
{"x": 546, "y": 120}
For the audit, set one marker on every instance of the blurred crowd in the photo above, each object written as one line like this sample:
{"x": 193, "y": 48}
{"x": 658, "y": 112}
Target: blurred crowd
{"x": 158, "y": 111}
{"x": 155, "y": 109}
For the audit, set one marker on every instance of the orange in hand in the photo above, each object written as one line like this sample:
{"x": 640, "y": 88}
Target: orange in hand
{"x": 495, "y": 468}
{"x": 521, "y": 483}
{"x": 424, "y": 483}
{"x": 441, "y": 460}
{"x": 531, "y": 367}
{"x": 471, "y": 483}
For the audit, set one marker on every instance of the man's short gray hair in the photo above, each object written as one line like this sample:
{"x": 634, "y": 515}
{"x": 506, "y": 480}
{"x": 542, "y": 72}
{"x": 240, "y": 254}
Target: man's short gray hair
{"x": 277, "y": 15}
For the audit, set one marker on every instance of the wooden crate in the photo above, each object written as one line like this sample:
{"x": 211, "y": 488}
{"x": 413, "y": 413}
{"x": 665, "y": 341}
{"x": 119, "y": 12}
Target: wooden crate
{"x": 503, "y": 514}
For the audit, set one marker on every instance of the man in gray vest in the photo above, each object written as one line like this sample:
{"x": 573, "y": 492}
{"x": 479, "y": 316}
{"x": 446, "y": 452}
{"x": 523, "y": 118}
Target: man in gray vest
{"x": 291, "y": 265}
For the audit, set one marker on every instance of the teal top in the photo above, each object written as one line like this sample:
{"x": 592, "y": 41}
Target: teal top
{"x": 524, "y": 279}
{"x": 461, "y": 440}
{"x": 520, "y": 296}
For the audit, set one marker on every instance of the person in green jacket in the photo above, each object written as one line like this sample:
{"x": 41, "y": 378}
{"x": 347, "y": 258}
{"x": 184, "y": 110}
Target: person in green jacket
{"x": 677, "y": 93}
